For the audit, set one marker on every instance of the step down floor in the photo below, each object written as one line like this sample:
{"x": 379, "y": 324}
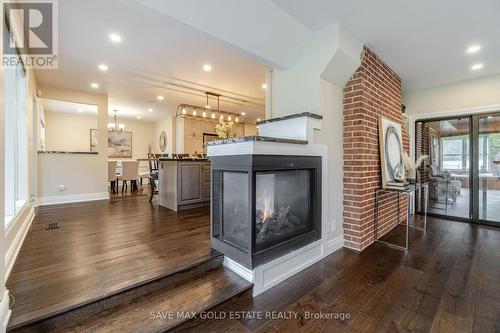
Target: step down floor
{"x": 167, "y": 308}
{"x": 62, "y": 314}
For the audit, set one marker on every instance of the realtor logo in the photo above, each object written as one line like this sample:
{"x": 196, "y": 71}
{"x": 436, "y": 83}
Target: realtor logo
{"x": 30, "y": 33}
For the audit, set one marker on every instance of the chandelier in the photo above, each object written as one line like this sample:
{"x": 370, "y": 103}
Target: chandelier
{"x": 115, "y": 126}
{"x": 207, "y": 111}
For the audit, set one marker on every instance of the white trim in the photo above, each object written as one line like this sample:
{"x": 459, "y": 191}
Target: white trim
{"x": 15, "y": 247}
{"x": 4, "y": 310}
{"x": 457, "y": 112}
{"x": 43, "y": 201}
{"x": 352, "y": 248}
{"x": 333, "y": 245}
{"x": 270, "y": 274}
{"x": 413, "y": 118}
{"x": 239, "y": 269}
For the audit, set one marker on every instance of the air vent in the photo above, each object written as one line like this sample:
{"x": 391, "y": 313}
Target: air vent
{"x": 52, "y": 226}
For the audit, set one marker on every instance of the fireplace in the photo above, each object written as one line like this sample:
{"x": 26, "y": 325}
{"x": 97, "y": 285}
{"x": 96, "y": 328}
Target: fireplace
{"x": 264, "y": 206}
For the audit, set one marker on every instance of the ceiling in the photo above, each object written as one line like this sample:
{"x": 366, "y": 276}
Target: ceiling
{"x": 157, "y": 56}
{"x": 54, "y": 105}
{"x": 423, "y": 41}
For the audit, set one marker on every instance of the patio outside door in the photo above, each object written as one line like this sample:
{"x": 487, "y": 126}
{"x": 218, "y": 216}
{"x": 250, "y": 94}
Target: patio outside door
{"x": 446, "y": 143}
{"x": 486, "y": 169}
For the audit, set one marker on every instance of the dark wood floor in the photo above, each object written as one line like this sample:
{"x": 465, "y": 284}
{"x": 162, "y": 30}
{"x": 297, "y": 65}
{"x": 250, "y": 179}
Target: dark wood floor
{"x": 449, "y": 281}
{"x": 101, "y": 247}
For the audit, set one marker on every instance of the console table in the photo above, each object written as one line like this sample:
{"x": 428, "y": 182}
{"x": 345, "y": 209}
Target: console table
{"x": 413, "y": 189}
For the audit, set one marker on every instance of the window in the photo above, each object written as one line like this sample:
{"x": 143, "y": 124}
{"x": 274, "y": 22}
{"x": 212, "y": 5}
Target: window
{"x": 455, "y": 152}
{"x": 16, "y": 142}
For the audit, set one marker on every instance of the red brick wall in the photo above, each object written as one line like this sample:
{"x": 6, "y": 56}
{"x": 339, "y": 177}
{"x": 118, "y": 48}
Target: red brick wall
{"x": 374, "y": 90}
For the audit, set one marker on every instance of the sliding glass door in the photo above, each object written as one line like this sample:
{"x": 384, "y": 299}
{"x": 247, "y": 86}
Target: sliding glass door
{"x": 447, "y": 170}
{"x": 463, "y": 166}
{"x": 486, "y": 168}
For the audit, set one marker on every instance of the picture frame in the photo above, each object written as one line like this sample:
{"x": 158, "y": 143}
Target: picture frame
{"x": 119, "y": 144}
{"x": 94, "y": 140}
{"x": 391, "y": 151}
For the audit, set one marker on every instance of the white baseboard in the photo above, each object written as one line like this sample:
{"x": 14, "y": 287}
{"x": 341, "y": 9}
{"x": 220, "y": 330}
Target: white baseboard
{"x": 270, "y": 274}
{"x": 4, "y": 310}
{"x": 352, "y": 248}
{"x": 334, "y": 245}
{"x": 22, "y": 231}
{"x": 54, "y": 200}
{"x": 239, "y": 269}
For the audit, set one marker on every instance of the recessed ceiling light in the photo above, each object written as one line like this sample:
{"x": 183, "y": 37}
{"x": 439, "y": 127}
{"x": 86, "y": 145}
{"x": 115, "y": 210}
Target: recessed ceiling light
{"x": 103, "y": 67}
{"x": 80, "y": 110}
{"x": 264, "y": 86}
{"x": 115, "y": 38}
{"x": 207, "y": 67}
{"x": 160, "y": 98}
{"x": 150, "y": 110}
{"x": 473, "y": 49}
{"x": 476, "y": 67}
{"x": 139, "y": 117}
{"x": 94, "y": 85}
{"x": 243, "y": 113}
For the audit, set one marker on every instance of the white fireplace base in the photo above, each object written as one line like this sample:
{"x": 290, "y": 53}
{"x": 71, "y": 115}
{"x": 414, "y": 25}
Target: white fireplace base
{"x": 270, "y": 274}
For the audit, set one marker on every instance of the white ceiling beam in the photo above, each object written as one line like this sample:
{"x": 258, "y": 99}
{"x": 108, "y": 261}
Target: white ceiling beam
{"x": 259, "y": 28}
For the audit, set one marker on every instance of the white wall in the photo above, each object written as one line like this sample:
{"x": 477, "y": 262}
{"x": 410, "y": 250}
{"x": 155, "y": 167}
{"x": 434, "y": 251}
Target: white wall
{"x": 331, "y": 54}
{"x": 168, "y": 126}
{"x": 459, "y": 98}
{"x": 143, "y": 134}
{"x": 331, "y": 135}
{"x": 84, "y": 176}
{"x": 68, "y": 131}
{"x": 315, "y": 84}
{"x": 467, "y": 96}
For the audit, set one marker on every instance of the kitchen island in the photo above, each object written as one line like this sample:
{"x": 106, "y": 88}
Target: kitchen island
{"x": 184, "y": 183}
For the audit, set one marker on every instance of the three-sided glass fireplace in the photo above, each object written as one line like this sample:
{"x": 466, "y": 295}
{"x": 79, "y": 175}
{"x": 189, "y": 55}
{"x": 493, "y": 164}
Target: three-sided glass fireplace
{"x": 265, "y": 206}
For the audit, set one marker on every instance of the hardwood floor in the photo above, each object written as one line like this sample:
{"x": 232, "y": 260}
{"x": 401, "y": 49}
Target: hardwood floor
{"x": 447, "y": 282}
{"x": 100, "y": 248}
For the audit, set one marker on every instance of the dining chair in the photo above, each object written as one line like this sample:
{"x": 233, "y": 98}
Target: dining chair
{"x": 153, "y": 175}
{"x": 112, "y": 179}
{"x": 144, "y": 174}
{"x": 130, "y": 172}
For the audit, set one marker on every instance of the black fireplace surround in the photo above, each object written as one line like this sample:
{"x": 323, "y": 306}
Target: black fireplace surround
{"x": 264, "y": 206}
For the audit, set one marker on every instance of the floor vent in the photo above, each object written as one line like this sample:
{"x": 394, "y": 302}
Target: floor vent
{"x": 52, "y": 226}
